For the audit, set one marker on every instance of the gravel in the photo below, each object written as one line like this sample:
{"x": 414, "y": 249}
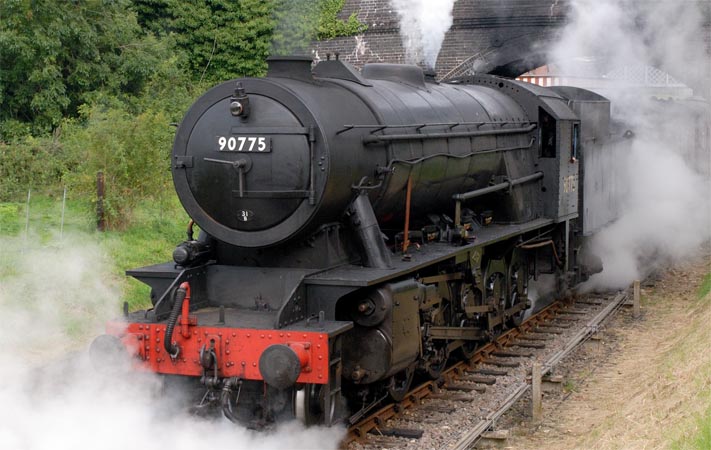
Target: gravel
{"x": 448, "y": 416}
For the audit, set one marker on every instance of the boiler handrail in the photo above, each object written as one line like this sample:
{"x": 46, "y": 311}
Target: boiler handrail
{"x": 497, "y": 187}
{"x": 383, "y": 138}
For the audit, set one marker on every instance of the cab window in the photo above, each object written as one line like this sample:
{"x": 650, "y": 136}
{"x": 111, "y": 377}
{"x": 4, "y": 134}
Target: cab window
{"x": 548, "y": 135}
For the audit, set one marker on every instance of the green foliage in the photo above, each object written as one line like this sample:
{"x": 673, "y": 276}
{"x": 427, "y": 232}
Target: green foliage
{"x": 9, "y": 218}
{"x": 91, "y": 85}
{"x": 155, "y": 232}
{"x": 223, "y": 39}
{"x": 126, "y": 136}
{"x": 330, "y": 26}
{"x": 160, "y": 227}
{"x": 299, "y": 22}
{"x": 153, "y": 16}
{"x": 131, "y": 150}
{"x": 295, "y": 24}
{"x": 13, "y": 130}
{"x": 30, "y": 163}
{"x": 44, "y": 217}
{"x": 56, "y": 55}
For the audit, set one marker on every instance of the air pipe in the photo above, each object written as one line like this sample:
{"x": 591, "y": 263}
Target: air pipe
{"x": 181, "y": 302}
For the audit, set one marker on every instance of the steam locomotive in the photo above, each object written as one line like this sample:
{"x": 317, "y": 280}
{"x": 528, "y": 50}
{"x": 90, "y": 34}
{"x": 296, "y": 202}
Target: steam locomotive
{"x": 358, "y": 229}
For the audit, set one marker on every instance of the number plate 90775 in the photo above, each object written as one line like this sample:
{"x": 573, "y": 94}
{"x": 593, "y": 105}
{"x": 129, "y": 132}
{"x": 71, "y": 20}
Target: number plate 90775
{"x": 253, "y": 144}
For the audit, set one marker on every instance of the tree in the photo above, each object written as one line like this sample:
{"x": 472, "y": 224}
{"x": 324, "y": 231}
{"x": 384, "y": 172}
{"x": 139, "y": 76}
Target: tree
{"x": 154, "y": 16}
{"x": 54, "y": 57}
{"x": 223, "y": 38}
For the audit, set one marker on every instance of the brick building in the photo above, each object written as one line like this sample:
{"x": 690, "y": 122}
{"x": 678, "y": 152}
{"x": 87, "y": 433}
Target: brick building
{"x": 504, "y": 37}
{"x": 485, "y": 29}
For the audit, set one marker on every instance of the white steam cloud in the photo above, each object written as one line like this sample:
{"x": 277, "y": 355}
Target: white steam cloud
{"x": 665, "y": 213}
{"x": 51, "y": 306}
{"x": 423, "y": 25}
{"x": 52, "y": 300}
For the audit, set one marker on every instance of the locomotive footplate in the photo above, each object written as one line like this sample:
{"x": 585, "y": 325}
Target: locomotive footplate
{"x": 426, "y": 255}
{"x": 243, "y": 353}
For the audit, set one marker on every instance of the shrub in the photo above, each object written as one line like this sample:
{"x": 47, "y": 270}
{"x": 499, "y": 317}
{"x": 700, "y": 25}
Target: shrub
{"x": 133, "y": 152}
{"x": 30, "y": 163}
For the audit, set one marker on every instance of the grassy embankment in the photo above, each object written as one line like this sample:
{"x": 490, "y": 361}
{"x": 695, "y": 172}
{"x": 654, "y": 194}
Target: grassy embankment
{"x": 156, "y": 228}
{"x": 693, "y": 351}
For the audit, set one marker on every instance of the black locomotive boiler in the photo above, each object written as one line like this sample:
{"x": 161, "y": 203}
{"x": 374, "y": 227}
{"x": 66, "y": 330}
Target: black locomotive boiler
{"x": 359, "y": 229}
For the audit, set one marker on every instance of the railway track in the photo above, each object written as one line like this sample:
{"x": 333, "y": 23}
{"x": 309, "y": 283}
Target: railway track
{"x": 466, "y": 401}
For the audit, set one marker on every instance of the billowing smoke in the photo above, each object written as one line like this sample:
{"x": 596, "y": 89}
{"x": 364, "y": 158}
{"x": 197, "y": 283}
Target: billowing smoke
{"x": 423, "y": 24}
{"x": 51, "y": 306}
{"x": 52, "y": 299}
{"x": 665, "y": 195}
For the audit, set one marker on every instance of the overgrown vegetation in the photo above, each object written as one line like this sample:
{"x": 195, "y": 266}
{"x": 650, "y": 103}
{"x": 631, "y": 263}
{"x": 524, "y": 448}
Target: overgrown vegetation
{"x": 298, "y": 22}
{"x": 151, "y": 240}
{"x": 225, "y": 39}
{"x": 47, "y": 225}
{"x": 130, "y": 150}
{"x": 57, "y": 56}
{"x": 329, "y": 26}
{"x": 88, "y": 86}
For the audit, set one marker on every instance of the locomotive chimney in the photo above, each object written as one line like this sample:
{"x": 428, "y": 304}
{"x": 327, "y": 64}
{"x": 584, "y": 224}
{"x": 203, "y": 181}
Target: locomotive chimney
{"x": 296, "y": 67}
{"x": 430, "y": 75}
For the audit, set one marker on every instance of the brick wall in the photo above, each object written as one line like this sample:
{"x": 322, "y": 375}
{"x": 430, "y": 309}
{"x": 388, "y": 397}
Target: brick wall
{"x": 479, "y": 28}
{"x": 492, "y": 32}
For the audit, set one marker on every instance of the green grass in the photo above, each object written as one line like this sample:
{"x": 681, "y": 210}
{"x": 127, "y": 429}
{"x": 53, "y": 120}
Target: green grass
{"x": 157, "y": 227}
{"x": 9, "y": 214}
{"x": 701, "y": 437}
{"x": 150, "y": 240}
{"x": 705, "y": 288}
{"x": 45, "y": 217}
{"x": 697, "y": 434}
{"x": 569, "y": 386}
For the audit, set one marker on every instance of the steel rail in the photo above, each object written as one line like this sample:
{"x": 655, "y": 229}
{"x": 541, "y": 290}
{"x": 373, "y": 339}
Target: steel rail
{"x": 449, "y": 375}
{"x": 473, "y": 435}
